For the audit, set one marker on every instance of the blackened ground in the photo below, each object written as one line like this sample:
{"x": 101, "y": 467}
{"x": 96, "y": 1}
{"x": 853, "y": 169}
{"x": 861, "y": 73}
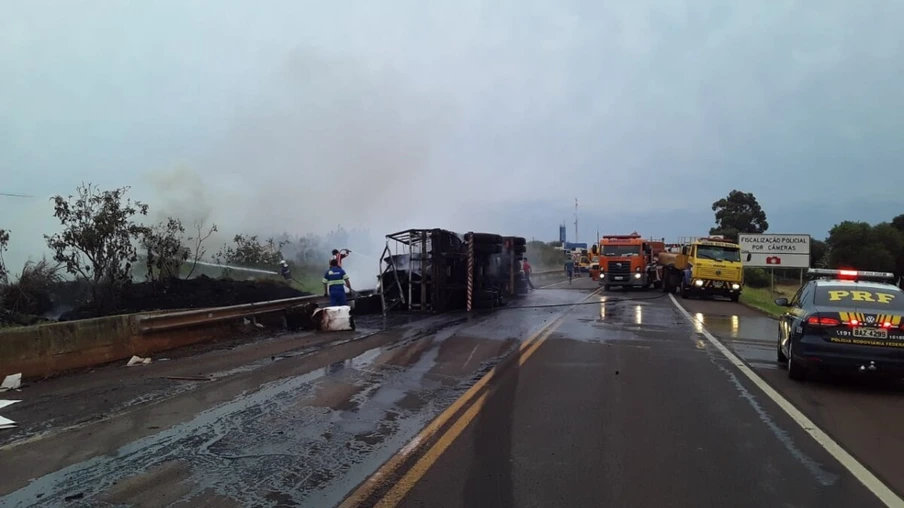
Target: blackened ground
{"x": 196, "y": 293}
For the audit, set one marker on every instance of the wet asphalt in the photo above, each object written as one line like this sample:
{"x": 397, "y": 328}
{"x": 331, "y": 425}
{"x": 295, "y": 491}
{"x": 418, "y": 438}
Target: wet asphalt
{"x": 624, "y": 405}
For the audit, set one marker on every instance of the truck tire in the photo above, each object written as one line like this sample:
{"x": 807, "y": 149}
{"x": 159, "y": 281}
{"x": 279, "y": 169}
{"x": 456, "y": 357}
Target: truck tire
{"x": 685, "y": 293}
{"x": 736, "y": 297}
{"x": 606, "y": 287}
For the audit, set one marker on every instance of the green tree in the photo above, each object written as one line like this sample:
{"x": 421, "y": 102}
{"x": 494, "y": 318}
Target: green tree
{"x": 98, "y": 239}
{"x": 164, "y": 249}
{"x": 249, "y": 252}
{"x": 819, "y": 253}
{"x": 862, "y": 246}
{"x": 898, "y": 222}
{"x": 739, "y": 212}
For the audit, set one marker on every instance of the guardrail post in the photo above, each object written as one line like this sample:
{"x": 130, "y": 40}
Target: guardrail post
{"x": 470, "y": 270}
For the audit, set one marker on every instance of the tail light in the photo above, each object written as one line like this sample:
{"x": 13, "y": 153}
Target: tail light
{"x": 823, "y": 321}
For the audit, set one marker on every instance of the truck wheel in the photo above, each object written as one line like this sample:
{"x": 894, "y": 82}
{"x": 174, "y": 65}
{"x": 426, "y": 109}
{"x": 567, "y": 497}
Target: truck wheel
{"x": 684, "y": 291}
{"x": 606, "y": 287}
{"x": 736, "y": 297}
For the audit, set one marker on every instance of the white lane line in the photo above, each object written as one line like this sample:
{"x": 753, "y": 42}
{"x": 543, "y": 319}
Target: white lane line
{"x": 867, "y": 478}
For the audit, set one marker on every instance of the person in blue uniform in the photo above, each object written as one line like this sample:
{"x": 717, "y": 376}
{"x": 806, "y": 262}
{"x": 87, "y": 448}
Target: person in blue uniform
{"x": 335, "y": 280}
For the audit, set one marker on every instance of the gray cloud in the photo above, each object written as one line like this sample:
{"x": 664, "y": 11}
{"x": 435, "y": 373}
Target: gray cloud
{"x": 468, "y": 115}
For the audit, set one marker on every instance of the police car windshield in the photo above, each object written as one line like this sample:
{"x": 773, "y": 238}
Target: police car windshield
{"x": 879, "y": 297}
{"x": 621, "y": 250}
{"x": 719, "y": 253}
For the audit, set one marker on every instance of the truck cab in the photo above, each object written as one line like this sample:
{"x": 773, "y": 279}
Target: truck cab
{"x": 704, "y": 267}
{"x": 626, "y": 261}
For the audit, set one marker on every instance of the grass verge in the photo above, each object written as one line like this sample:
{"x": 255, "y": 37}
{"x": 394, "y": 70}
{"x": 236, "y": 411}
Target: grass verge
{"x": 763, "y": 299}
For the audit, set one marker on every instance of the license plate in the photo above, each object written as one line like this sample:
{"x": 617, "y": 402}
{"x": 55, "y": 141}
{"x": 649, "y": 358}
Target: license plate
{"x": 717, "y": 284}
{"x": 618, "y": 278}
{"x": 871, "y": 333}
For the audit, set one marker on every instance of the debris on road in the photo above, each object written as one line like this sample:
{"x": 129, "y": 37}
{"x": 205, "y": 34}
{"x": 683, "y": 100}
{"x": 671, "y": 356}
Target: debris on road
{"x": 6, "y": 423}
{"x": 11, "y": 382}
{"x": 334, "y": 319}
{"x": 4, "y": 402}
{"x": 137, "y": 360}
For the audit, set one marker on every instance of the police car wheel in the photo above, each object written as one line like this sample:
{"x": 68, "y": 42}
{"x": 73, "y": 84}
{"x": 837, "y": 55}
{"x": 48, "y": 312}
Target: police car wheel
{"x": 795, "y": 370}
{"x": 780, "y": 355}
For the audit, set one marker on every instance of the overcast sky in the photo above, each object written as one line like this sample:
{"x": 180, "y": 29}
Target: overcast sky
{"x": 300, "y": 115}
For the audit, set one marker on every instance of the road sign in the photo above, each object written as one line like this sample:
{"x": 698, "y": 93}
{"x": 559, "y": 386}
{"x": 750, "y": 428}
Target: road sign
{"x": 775, "y": 251}
{"x": 759, "y": 260}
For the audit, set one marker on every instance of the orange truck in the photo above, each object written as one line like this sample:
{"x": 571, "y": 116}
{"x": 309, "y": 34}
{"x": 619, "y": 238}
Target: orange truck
{"x": 628, "y": 261}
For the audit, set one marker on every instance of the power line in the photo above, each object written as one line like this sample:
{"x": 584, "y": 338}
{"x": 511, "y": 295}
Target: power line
{"x": 14, "y": 195}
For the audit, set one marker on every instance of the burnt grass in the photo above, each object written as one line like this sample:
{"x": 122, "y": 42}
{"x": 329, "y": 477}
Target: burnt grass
{"x": 174, "y": 294}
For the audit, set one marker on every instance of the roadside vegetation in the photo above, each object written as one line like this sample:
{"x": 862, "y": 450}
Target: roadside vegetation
{"x": 855, "y": 245}
{"x": 106, "y": 260}
{"x": 104, "y": 252}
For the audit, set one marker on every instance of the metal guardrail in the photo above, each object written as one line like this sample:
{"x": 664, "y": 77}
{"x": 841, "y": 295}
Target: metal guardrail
{"x": 162, "y": 321}
{"x": 150, "y": 323}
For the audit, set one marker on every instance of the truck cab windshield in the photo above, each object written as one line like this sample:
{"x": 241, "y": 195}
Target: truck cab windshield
{"x": 621, "y": 250}
{"x": 719, "y": 253}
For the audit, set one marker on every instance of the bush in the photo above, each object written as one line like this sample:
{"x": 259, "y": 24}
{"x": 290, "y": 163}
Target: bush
{"x": 757, "y": 278}
{"x": 31, "y": 293}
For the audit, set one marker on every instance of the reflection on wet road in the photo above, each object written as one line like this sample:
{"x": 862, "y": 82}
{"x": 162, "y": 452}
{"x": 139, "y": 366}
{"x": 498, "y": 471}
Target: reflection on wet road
{"x": 305, "y": 437}
{"x": 618, "y": 391}
{"x": 855, "y": 411}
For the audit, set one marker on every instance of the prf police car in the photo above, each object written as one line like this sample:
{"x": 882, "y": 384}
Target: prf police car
{"x": 841, "y": 321}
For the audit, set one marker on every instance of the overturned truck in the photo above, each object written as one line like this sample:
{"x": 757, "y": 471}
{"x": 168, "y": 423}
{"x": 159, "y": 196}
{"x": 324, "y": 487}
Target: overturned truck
{"x": 436, "y": 270}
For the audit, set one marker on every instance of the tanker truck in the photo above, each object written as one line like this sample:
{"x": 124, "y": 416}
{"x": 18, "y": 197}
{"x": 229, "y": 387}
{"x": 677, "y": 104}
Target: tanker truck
{"x": 704, "y": 267}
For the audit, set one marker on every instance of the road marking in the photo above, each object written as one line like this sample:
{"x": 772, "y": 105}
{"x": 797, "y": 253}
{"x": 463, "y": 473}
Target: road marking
{"x": 867, "y": 478}
{"x": 420, "y": 468}
{"x": 413, "y": 475}
{"x": 367, "y": 489}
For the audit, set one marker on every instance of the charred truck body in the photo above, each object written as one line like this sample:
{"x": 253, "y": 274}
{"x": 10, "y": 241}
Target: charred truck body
{"x": 705, "y": 267}
{"x": 428, "y": 270}
{"x": 628, "y": 261}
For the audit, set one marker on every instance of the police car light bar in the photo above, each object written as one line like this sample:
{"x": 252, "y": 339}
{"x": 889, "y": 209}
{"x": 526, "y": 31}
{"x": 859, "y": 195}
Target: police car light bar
{"x": 855, "y": 274}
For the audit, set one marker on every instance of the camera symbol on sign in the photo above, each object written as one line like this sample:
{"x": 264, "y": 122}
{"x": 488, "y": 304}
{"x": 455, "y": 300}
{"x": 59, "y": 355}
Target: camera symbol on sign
{"x": 773, "y": 260}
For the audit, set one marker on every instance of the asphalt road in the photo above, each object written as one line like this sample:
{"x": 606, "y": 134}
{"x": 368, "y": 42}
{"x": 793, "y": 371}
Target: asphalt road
{"x": 626, "y": 405}
{"x": 616, "y": 402}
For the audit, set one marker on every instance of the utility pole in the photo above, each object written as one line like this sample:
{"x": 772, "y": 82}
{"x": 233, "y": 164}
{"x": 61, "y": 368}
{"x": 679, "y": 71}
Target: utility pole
{"x": 575, "y": 220}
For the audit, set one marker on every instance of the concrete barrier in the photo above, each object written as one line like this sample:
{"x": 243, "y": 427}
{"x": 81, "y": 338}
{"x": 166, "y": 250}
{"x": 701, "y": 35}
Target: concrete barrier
{"x": 48, "y": 349}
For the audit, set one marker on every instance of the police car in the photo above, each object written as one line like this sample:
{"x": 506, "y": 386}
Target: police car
{"x": 843, "y": 320}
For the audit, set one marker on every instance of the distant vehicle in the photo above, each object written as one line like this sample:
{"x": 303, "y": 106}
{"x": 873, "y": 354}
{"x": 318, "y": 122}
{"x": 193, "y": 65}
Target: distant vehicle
{"x": 843, "y": 321}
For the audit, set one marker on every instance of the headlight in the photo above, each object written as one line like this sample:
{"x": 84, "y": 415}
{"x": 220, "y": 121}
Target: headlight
{"x": 736, "y": 286}
{"x": 637, "y": 275}
{"x": 698, "y": 283}
{"x": 602, "y": 275}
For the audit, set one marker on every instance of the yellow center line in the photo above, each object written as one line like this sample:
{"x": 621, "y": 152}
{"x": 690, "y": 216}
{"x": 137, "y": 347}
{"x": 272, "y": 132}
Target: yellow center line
{"x": 374, "y": 481}
{"x": 420, "y": 468}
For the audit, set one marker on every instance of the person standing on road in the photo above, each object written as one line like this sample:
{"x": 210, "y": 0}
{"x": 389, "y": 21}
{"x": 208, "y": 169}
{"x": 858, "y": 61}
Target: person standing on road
{"x": 569, "y": 268}
{"x": 335, "y": 280}
{"x": 527, "y": 269}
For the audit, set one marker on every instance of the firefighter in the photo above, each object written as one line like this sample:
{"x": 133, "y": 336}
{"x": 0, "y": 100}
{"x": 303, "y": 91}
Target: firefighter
{"x": 340, "y": 254}
{"x": 284, "y": 270}
{"x": 335, "y": 280}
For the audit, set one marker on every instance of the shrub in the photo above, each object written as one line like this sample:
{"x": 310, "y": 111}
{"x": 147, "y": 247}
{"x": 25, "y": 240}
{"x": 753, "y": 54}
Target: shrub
{"x": 756, "y": 278}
